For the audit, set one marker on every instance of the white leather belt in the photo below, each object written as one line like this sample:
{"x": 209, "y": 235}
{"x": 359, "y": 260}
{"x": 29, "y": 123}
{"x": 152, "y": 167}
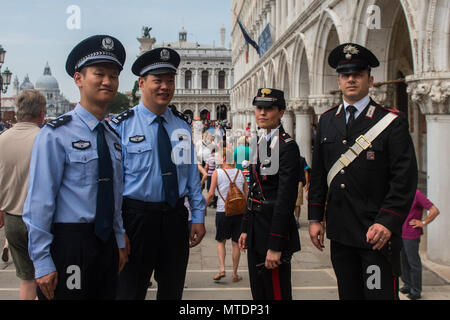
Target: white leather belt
{"x": 361, "y": 143}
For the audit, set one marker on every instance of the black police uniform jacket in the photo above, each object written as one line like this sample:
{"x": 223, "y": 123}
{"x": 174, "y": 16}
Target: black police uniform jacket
{"x": 275, "y": 228}
{"x": 377, "y": 187}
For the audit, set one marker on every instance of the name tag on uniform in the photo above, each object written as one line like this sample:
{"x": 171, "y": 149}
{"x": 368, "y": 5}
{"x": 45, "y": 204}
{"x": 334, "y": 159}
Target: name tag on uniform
{"x": 81, "y": 145}
{"x": 137, "y": 139}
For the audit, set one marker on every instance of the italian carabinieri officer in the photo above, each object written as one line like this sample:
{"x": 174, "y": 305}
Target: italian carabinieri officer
{"x": 363, "y": 181}
{"x": 269, "y": 230}
{"x": 73, "y": 207}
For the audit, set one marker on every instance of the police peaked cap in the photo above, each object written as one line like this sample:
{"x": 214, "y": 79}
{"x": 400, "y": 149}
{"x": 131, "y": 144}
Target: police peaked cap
{"x": 93, "y": 50}
{"x": 156, "y": 61}
{"x": 269, "y": 97}
{"x": 351, "y": 57}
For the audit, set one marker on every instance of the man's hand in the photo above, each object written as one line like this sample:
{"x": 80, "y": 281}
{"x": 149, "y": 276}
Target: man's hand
{"x": 378, "y": 235}
{"x": 316, "y": 233}
{"x": 197, "y": 233}
{"x": 272, "y": 259}
{"x": 242, "y": 242}
{"x": 127, "y": 244}
{"x": 48, "y": 284}
{"x": 123, "y": 258}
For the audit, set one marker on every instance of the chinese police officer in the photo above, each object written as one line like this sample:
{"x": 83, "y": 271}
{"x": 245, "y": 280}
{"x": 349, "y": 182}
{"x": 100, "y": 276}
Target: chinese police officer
{"x": 363, "y": 180}
{"x": 73, "y": 207}
{"x": 269, "y": 230}
{"x": 159, "y": 172}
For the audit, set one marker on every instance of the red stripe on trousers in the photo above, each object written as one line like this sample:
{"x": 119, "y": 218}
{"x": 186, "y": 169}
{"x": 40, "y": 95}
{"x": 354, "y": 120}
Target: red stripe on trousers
{"x": 276, "y": 284}
{"x": 395, "y": 288}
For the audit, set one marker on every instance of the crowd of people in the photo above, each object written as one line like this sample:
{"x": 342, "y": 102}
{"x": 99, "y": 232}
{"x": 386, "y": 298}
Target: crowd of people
{"x": 123, "y": 200}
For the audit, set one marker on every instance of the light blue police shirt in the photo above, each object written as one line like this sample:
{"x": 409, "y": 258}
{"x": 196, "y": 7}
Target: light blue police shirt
{"x": 141, "y": 169}
{"x": 62, "y": 185}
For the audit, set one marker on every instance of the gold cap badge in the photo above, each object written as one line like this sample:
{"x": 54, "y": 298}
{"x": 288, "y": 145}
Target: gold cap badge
{"x": 265, "y": 91}
{"x": 349, "y": 50}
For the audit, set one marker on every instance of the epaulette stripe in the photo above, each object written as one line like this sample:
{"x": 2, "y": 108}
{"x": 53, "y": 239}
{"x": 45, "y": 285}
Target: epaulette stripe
{"x": 112, "y": 129}
{"x": 180, "y": 115}
{"x": 60, "y": 121}
{"x": 333, "y": 108}
{"x": 124, "y": 115}
{"x": 286, "y": 137}
{"x": 393, "y": 110}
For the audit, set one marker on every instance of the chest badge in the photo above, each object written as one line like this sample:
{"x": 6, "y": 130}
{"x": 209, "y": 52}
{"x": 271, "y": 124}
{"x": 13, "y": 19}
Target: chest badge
{"x": 137, "y": 139}
{"x": 81, "y": 145}
{"x": 370, "y": 155}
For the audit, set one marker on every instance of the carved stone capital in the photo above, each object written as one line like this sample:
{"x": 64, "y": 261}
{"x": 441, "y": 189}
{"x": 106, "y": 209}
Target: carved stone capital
{"x": 322, "y": 103}
{"x": 431, "y": 94}
{"x": 382, "y": 95}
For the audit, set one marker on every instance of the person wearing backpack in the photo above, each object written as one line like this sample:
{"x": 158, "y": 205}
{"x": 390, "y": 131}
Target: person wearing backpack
{"x": 233, "y": 190}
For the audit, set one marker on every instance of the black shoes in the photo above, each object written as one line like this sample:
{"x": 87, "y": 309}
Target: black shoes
{"x": 414, "y": 296}
{"x": 404, "y": 290}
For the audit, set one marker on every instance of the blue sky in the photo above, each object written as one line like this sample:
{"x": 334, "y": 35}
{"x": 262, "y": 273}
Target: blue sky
{"x": 35, "y": 31}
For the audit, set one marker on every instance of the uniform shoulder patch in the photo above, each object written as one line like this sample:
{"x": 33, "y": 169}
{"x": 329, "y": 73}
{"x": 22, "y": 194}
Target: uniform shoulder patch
{"x": 123, "y": 116}
{"x": 180, "y": 115}
{"x": 286, "y": 137}
{"x": 60, "y": 121}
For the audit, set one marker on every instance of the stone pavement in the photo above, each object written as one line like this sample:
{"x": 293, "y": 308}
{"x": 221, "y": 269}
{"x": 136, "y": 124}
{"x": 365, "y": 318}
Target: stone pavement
{"x": 312, "y": 274}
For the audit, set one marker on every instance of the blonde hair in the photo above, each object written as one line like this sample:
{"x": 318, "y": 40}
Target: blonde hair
{"x": 29, "y": 104}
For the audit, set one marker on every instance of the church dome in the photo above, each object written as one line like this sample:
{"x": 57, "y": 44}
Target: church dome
{"x": 47, "y": 81}
{"x": 26, "y": 84}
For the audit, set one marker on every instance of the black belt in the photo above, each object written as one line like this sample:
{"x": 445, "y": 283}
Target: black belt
{"x": 60, "y": 228}
{"x": 150, "y": 206}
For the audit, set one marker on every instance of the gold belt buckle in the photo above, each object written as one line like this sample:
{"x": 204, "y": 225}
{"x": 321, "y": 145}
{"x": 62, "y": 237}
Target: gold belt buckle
{"x": 344, "y": 160}
{"x": 364, "y": 140}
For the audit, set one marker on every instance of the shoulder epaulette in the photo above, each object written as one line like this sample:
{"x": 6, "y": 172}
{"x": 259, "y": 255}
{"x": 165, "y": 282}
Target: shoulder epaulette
{"x": 60, "y": 121}
{"x": 391, "y": 109}
{"x": 332, "y": 108}
{"x": 286, "y": 137}
{"x": 124, "y": 115}
{"x": 180, "y": 115}
{"x": 112, "y": 129}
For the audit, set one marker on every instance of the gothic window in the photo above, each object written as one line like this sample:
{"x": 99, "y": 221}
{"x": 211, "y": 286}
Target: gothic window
{"x": 188, "y": 80}
{"x": 205, "y": 76}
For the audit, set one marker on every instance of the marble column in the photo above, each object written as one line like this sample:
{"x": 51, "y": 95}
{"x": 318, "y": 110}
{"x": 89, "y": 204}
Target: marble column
{"x": 288, "y": 122}
{"x": 431, "y": 92}
{"x": 196, "y": 111}
{"x": 303, "y": 134}
{"x": 438, "y": 178}
{"x": 213, "y": 112}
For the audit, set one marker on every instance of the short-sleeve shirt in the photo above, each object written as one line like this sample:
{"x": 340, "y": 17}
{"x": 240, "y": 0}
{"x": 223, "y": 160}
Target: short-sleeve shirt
{"x": 420, "y": 202}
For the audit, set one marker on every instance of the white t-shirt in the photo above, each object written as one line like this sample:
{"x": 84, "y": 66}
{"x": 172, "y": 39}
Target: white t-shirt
{"x": 223, "y": 184}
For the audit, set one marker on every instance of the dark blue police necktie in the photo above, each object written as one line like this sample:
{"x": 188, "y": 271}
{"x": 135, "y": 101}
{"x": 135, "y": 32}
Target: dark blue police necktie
{"x": 351, "y": 118}
{"x": 105, "y": 192}
{"x": 168, "y": 168}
